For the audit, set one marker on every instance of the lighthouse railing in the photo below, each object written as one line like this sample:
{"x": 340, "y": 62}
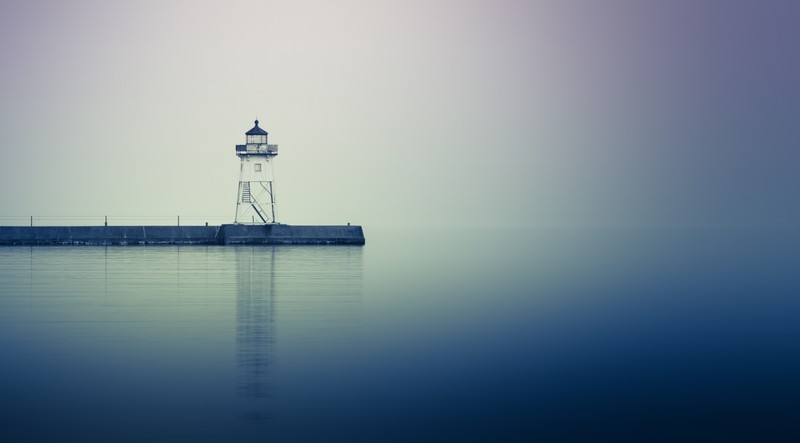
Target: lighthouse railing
{"x": 248, "y": 149}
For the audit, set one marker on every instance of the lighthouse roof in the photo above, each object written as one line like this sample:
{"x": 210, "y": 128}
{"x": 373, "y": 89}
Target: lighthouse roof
{"x": 256, "y": 130}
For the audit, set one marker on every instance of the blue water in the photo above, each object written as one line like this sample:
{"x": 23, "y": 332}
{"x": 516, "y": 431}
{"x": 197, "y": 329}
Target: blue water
{"x": 500, "y": 334}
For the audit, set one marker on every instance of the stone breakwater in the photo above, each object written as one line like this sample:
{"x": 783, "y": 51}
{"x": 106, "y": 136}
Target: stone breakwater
{"x": 232, "y": 234}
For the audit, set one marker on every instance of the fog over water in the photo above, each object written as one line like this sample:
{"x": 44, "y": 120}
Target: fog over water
{"x": 580, "y": 217}
{"x": 443, "y": 112}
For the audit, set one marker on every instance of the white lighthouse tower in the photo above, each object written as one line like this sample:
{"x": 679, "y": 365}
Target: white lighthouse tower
{"x": 256, "y": 199}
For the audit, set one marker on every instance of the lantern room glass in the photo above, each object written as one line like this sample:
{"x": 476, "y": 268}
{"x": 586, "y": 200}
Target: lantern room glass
{"x": 257, "y": 139}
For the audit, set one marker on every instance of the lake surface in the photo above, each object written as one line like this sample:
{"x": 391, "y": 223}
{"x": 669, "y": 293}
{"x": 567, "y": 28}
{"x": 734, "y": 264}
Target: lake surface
{"x": 494, "y": 334}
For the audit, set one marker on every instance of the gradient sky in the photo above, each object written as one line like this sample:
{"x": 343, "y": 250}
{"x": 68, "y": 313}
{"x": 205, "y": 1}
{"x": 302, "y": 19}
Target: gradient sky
{"x": 405, "y": 112}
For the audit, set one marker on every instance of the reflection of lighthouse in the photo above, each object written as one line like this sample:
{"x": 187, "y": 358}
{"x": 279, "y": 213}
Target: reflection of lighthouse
{"x": 254, "y": 326}
{"x": 315, "y": 292}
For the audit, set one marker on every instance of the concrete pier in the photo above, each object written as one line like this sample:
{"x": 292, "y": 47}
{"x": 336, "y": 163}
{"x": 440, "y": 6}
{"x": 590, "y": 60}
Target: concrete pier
{"x": 271, "y": 234}
{"x": 276, "y": 234}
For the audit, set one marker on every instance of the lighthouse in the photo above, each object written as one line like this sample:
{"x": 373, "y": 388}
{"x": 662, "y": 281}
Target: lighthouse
{"x": 255, "y": 202}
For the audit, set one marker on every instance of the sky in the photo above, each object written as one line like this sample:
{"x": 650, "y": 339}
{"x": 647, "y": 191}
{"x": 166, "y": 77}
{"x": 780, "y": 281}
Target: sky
{"x": 408, "y": 112}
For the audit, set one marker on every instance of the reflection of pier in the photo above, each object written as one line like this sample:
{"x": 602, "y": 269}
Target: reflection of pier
{"x": 315, "y": 291}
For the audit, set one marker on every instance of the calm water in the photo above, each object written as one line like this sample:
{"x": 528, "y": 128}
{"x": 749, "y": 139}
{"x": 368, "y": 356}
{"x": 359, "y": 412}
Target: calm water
{"x": 422, "y": 335}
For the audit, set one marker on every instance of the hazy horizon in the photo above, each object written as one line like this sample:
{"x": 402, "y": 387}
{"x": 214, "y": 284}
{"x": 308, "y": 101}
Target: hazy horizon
{"x": 405, "y": 113}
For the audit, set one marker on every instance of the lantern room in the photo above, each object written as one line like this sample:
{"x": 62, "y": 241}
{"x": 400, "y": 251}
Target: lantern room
{"x": 256, "y": 143}
{"x": 256, "y": 136}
